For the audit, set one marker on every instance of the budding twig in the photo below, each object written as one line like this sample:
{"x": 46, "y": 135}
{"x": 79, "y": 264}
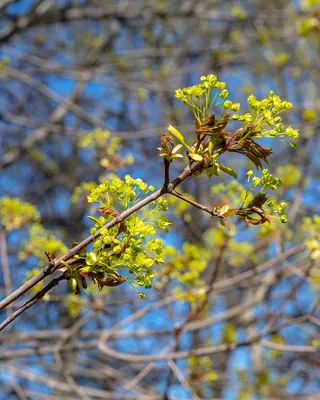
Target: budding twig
{"x": 195, "y": 204}
{"x": 53, "y": 265}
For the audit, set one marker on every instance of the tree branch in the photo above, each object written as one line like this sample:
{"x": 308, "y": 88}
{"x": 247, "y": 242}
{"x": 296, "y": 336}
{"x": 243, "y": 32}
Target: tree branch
{"x": 50, "y": 268}
{"x": 33, "y": 301}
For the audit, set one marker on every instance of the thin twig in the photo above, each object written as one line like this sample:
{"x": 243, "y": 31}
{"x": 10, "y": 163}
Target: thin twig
{"x": 33, "y": 301}
{"x": 5, "y": 266}
{"x": 176, "y": 370}
{"x": 195, "y": 204}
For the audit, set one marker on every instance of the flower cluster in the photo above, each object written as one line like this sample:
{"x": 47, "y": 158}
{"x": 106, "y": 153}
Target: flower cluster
{"x": 252, "y": 205}
{"x": 212, "y": 139}
{"x": 267, "y": 180}
{"x": 123, "y": 193}
{"x": 126, "y": 252}
{"x": 203, "y": 97}
{"x": 263, "y": 115}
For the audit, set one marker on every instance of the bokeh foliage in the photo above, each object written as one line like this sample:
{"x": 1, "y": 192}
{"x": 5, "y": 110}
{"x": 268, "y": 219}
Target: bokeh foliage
{"x": 88, "y": 86}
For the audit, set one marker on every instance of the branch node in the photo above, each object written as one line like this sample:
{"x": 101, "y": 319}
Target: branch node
{"x": 170, "y": 187}
{"x": 49, "y": 268}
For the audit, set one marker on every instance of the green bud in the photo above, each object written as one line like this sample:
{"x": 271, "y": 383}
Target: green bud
{"x": 117, "y": 249}
{"x": 91, "y": 258}
{"x": 178, "y": 135}
{"x": 107, "y": 239}
{"x": 74, "y": 286}
{"x": 196, "y": 157}
{"x": 224, "y": 94}
{"x": 84, "y": 282}
{"x": 283, "y": 219}
{"x": 235, "y": 107}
